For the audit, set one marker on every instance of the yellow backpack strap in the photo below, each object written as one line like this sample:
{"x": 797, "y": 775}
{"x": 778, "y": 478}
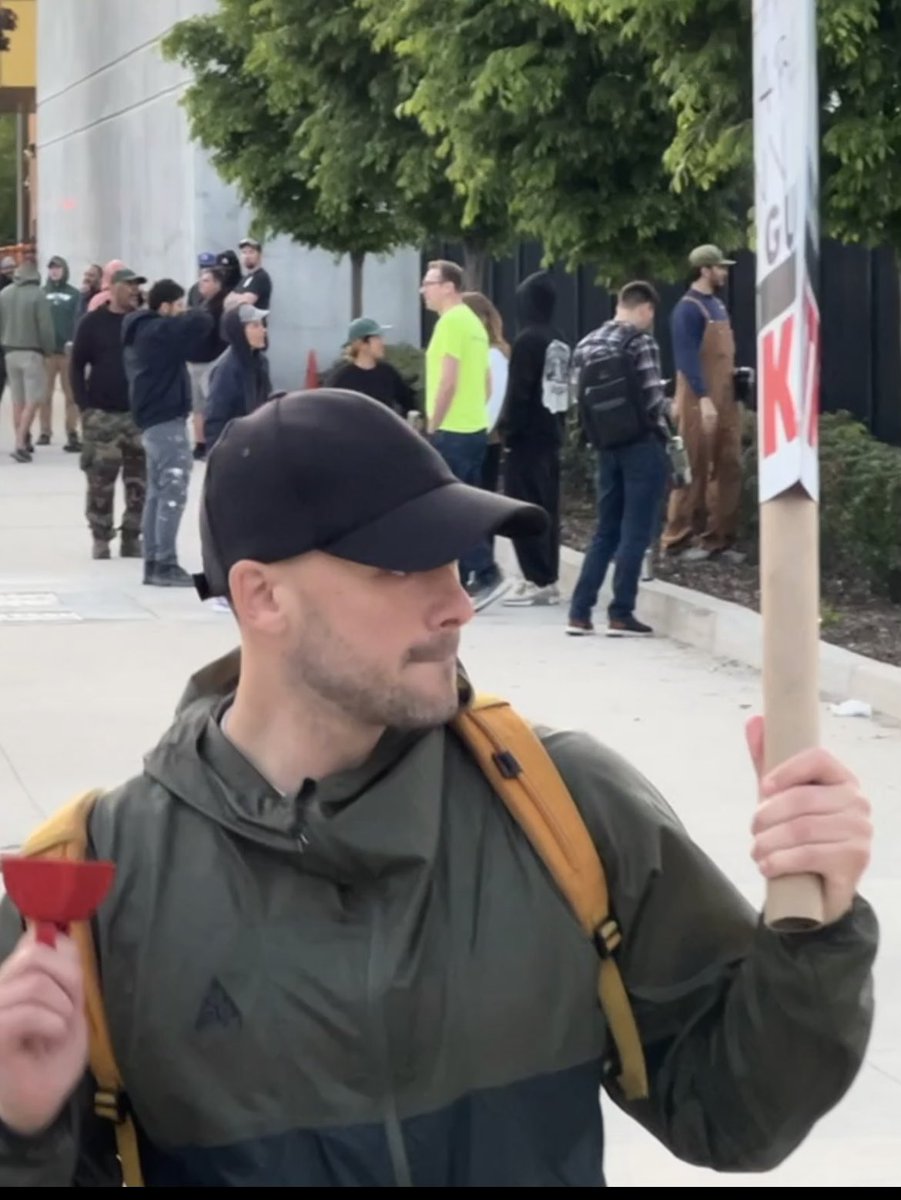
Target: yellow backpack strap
{"x": 523, "y": 774}
{"x": 65, "y": 835}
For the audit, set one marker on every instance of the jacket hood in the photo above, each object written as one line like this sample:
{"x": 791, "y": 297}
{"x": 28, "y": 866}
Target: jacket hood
{"x": 536, "y": 300}
{"x": 27, "y": 272}
{"x": 135, "y": 321}
{"x": 197, "y": 764}
{"x": 233, "y": 332}
{"x": 58, "y": 261}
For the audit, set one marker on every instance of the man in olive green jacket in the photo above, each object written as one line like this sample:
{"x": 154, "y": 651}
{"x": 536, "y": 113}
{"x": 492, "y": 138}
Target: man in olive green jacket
{"x": 332, "y": 958}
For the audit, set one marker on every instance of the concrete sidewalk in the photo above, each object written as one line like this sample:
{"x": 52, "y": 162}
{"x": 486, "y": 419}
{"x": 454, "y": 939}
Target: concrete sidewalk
{"x": 92, "y": 664}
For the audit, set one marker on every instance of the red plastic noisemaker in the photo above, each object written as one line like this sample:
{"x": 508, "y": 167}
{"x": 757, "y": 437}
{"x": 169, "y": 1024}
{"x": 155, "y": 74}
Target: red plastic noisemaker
{"x": 53, "y": 892}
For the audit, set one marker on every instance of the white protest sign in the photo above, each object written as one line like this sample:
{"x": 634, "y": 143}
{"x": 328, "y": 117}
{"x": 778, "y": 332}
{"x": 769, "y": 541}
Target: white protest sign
{"x": 786, "y": 169}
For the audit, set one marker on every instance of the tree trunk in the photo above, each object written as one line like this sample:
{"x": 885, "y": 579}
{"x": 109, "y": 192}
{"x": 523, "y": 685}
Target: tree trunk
{"x": 356, "y": 285}
{"x": 475, "y": 263}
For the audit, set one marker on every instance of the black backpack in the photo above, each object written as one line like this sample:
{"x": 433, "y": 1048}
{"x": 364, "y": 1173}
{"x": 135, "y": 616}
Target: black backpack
{"x": 612, "y": 406}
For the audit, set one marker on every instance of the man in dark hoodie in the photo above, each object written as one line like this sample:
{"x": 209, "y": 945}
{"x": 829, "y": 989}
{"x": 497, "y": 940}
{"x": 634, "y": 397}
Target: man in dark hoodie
{"x": 63, "y": 300}
{"x": 159, "y": 342}
{"x": 532, "y": 426}
{"x": 239, "y": 383}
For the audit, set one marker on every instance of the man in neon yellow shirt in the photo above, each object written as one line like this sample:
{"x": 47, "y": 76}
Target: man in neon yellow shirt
{"x": 458, "y": 385}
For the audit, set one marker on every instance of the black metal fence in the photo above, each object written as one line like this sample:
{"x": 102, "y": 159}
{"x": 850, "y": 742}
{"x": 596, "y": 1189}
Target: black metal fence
{"x": 859, "y": 302}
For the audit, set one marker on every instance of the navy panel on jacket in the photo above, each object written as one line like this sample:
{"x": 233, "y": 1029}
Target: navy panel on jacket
{"x": 544, "y": 1132}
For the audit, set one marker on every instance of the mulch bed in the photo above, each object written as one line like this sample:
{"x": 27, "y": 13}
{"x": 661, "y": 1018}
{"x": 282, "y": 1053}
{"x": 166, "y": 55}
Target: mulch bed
{"x": 851, "y": 617}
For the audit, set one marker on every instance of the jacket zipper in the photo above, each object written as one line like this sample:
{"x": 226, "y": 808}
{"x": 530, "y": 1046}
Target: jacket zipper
{"x": 393, "y": 1132}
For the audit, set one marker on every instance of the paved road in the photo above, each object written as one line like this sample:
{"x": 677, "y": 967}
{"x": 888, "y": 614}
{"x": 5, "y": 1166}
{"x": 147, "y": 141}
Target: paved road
{"x": 92, "y": 663}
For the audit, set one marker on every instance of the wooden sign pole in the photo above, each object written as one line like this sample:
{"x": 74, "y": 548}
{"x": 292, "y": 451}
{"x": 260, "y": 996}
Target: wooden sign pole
{"x": 786, "y": 162}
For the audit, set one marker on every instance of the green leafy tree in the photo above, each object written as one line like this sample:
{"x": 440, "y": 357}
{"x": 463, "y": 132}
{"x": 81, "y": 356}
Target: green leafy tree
{"x": 301, "y": 112}
{"x": 270, "y": 143}
{"x": 700, "y": 52}
{"x": 562, "y": 121}
{"x": 320, "y": 60}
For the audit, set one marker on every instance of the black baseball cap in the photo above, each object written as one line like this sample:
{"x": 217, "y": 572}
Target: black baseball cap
{"x": 335, "y": 471}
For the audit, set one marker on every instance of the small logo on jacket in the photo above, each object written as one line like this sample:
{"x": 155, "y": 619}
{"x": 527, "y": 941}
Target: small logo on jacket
{"x": 218, "y": 1010}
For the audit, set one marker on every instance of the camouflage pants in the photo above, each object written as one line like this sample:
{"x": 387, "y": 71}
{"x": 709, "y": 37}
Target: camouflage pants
{"x": 112, "y": 443}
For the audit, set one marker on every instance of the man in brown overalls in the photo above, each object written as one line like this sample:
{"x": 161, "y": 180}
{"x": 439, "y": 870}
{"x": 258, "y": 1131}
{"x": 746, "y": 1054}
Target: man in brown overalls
{"x": 702, "y": 520}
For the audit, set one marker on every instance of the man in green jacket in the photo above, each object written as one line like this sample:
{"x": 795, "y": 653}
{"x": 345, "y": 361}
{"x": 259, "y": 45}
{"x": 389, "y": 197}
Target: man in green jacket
{"x": 331, "y": 956}
{"x": 63, "y": 300}
{"x": 28, "y": 339}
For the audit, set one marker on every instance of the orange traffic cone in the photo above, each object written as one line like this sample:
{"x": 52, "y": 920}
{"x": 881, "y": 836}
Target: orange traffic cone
{"x": 312, "y": 376}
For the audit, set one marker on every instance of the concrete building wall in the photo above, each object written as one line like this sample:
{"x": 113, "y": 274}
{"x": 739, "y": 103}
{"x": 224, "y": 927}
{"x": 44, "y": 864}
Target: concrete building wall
{"x": 119, "y": 177}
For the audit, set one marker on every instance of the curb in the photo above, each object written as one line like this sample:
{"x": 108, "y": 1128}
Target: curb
{"x": 726, "y": 630}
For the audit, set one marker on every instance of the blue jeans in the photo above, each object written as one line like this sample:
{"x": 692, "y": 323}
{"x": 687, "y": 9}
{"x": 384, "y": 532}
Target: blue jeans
{"x": 465, "y": 453}
{"x": 631, "y": 484}
{"x": 169, "y": 463}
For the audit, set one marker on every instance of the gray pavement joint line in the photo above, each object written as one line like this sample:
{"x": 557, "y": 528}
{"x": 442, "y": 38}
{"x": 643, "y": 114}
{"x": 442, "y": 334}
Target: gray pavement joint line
{"x": 882, "y": 1071}
{"x": 21, "y": 782}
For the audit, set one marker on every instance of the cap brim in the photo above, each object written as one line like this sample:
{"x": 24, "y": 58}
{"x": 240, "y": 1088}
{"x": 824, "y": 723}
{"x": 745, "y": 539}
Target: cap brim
{"x": 438, "y": 528}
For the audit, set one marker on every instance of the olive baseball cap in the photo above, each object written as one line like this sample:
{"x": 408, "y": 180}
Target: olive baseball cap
{"x": 336, "y": 471}
{"x": 709, "y": 256}
{"x": 364, "y": 327}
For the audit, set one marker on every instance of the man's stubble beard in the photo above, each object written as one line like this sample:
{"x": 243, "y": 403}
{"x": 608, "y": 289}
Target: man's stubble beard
{"x": 322, "y": 663}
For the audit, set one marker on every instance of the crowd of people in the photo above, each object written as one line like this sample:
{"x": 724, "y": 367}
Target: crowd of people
{"x": 134, "y": 362}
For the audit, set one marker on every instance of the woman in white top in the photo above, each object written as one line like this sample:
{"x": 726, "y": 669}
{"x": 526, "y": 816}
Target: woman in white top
{"x": 498, "y": 358}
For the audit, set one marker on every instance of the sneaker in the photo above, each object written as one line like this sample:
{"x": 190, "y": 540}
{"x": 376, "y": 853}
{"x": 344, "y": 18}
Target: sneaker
{"x": 696, "y": 554}
{"x": 149, "y": 572}
{"x": 44, "y": 439}
{"x": 576, "y": 627}
{"x": 130, "y": 546}
{"x": 171, "y": 575}
{"x": 483, "y": 594}
{"x": 73, "y": 444}
{"x": 29, "y": 444}
{"x": 623, "y": 627}
{"x": 100, "y": 549}
{"x": 734, "y": 558}
{"x": 21, "y": 456}
{"x": 529, "y": 595}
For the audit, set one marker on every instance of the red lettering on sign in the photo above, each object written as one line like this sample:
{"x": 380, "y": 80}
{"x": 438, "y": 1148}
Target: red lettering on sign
{"x": 812, "y": 370}
{"x": 777, "y": 393}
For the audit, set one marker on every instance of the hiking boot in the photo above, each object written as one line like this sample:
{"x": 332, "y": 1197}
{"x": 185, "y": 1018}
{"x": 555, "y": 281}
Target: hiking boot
{"x": 44, "y": 439}
{"x": 624, "y": 627}
{"x": 171, "y": 575}
{"x": 130, "y": 546}
{"x": 576, "y": 627}
{"x": 101, "y": 549}
{"x": 21, "y": 456}
{"x": 73, "y": 444}
{"x": 530, "y": 595}
{"x": 485, "y": 592}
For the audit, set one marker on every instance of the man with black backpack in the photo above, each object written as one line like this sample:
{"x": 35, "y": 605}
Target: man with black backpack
{"x": 622, "y": 409}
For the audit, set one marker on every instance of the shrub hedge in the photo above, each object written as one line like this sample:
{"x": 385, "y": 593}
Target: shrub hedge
{"x": 860, "y": 500}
